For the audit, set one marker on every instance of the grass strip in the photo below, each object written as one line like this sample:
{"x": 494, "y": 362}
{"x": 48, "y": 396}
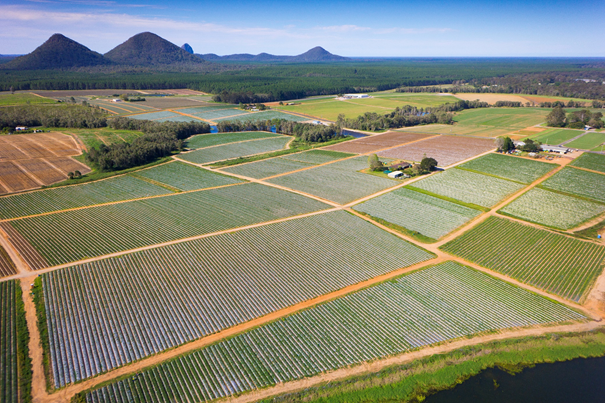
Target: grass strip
{"x": 24, "y": 362}
{"x": 38, "y": 296}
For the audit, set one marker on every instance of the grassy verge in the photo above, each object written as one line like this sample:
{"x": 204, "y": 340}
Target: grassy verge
{"x": 97, "y": 175}
{"x": 295, "y": 147}
{"x": 412, "y": 382}
{"x": 38, "y": 296}
{"x": 402, "y": 230}
{"x": 591, "y": 232}
{"x": 449, "y": 199}
{"x": 24, "y": 362}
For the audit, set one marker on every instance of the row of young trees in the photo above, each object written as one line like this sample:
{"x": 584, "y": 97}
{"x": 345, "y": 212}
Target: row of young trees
{"x": 302, "y": 131}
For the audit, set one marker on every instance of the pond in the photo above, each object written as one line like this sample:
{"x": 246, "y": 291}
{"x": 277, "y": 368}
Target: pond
{"x": 580, "y": 380}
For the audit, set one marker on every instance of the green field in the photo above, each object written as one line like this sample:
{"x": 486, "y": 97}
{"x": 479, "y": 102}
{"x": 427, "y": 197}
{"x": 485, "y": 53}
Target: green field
{"x": 214, "y": 139}
{"x": 417, "y": 212}
{"x": 578, "y": 182}
{"x": 339, "y": 181}
{"x": 555, "y": 136}
{"x": 382, "y": 103}
{"x": 178, "y": 293}
{"x": 112, "y": 228}
{"x": 594, "y": 162}
{"x": 93, "y": 138}
{"x": 20, "y": 98}
{"x": 559, "y": 264}
{"x": 553, "y": 209}
{"x": 510, "y": 118}
{"x": 422, "y": 308}
{"x": 62, "y": 198}
{"x": 469, "y": 187}
{"x": 462, "y": 130}
{"x": 317, "y": 156}
{"x": 588, "y": 141}
{"x": 184, "y": 176}
{"x": 235, "y": 150}
{"x": 266, "y": 115}
{"x": 508, "y": 167}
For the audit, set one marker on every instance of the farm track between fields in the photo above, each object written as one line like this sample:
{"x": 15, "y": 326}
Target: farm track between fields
{"x": 378, "y": 365}
{"x": 39, "y": 384}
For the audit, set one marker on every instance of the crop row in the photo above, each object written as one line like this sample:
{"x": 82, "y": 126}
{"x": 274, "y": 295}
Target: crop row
{"x": 186, "y": 177}
{"x": 107, "y": 313}
{"x": 74, "y": 235}
{"x": 339, "y": 181}
{"x": 9, "y": 384}
{"x": 7, "y": 267}
{"x": 429, "y": 306}
{"x": 508, "y": 167}
{"x": 578, "y": 182}
{"x": 266, "y": 115}
{"x": 214, "y": 139}
{"x": 556, "y": 263}
{"x": 428, "y": 215}
{"x": 317, "y": 156}
{"x": 469, "y": 187}
{"x": 235, "y": 150}
{"x": 553, "y": 209}
{"x": 54, "y": 199}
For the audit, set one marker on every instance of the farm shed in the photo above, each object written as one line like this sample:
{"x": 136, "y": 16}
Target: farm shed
{"x": 19, "y": 128}
{"x": 395, "y": 174}
{"x": 356, "y": 96}
{"x": 555, "y": 149}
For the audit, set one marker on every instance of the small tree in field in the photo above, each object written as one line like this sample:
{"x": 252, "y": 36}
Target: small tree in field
{"x": 428, "y": 164}
{"x": 70, "y": 175}
{"x": 556, "y": 118}
{"x": 505, "y": 144}
{"x": 374, "y": 163}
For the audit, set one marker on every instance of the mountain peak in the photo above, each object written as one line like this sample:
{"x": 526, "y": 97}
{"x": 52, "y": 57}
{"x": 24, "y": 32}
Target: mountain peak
{"x": 187, "y": 48}
{"x": 149, "y": 49}
{"x": 318, "y": 54}
{"x": 58, "y": 52}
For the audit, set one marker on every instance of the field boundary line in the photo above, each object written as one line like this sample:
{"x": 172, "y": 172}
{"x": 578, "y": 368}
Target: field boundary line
{"x": 137, "y": 366}
{"x": 26, "y": 172}
{"x": 173, "y": 242}
{"x": 31, "y": 140}
{"x": 188, "y": 115}
{"x": 587, "y": 170}
{"x": 379, "y": 364}
{"x": 235, "y": 142}
{"x": 56, "y": 168}
{"x": 16, "y": 145}
{"x": 120, "y": 201}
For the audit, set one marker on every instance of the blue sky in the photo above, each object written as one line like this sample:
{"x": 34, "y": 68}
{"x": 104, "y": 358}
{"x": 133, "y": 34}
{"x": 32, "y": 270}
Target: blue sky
{"x": 348, "y": 28}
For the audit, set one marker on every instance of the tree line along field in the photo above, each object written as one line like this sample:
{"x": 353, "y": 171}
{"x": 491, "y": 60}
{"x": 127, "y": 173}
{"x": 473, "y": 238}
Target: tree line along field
{"x": 468, "y": 187}
{"x": 73, "y": 235}
{"x": 509, "y": 167}
{"x": 288, "y": 163}
{"x": 107, "y": 313}
{"x": 553, "y": 209}
{"x": 418, "y": 212}
{"x": 425, "y": 307}
{"x": 339, "y": 181}
{"x": 559, "y": 264}
{"x": 594, "y": 162}
{"x": 235, "y": 150}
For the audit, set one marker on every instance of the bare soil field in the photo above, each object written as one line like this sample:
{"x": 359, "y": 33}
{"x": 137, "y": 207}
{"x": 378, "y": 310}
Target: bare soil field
{"x": 28, "y": 161}
{"x": 491, "y": 98}
{"x": 13, "y": 178}
{"x": 377, "y": 142}
{"x": 447, "y": 150}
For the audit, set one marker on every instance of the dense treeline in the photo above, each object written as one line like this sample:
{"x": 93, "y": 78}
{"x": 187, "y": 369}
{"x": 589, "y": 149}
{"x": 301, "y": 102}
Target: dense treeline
{"x": 293, "y": 81}
{"x": 302, "y": 131}
{"x": 181, "y": 130}
{"x": 408, "y": 116}
{"x": 586, "y": 84}
{"x": 75, "y": 116}
{"x": 574, "y": 120}
{"x": 140, "y": 151}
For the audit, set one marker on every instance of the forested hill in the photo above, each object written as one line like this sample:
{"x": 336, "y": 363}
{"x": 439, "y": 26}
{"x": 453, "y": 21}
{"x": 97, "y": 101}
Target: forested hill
{"x": 58, "y": 52}
{"x": 148, "y": 49}
{"x": 315, "y": 55}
